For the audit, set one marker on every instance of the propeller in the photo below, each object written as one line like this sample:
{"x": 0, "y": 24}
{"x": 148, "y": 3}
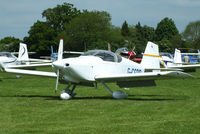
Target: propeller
{"x": 131, "y": 52}
{"x": 55, "y": 63}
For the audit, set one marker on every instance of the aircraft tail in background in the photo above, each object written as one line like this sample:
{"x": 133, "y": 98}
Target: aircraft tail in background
{"x": 177, "y": 57}
{"x": 23, "y": 52}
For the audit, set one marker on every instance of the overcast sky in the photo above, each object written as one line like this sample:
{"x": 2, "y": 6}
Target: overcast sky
{"x": 17, "y": 16}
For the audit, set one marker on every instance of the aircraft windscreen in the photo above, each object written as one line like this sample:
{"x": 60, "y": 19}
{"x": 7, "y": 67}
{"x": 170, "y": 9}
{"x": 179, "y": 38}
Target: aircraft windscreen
{"x": 122, "y": 50}
{"x": 6, "y": 54}
{"x": 104, "y": 55}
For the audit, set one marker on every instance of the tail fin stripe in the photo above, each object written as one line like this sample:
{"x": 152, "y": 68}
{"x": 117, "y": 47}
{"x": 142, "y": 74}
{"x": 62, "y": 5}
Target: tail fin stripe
{"x": 151, "y": 55}
{"x": 151, "y": 58}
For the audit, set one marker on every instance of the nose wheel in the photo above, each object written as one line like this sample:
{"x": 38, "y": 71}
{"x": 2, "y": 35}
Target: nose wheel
{"x": 67, "y": 93}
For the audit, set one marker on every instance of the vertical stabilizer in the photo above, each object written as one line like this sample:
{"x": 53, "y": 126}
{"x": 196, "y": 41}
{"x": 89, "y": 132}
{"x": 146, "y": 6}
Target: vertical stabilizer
{"x": 177, "y": 57}
{"x": 60, "y": 50}
{"x": 151, "y": 58}
{"x": 23, "y": 52}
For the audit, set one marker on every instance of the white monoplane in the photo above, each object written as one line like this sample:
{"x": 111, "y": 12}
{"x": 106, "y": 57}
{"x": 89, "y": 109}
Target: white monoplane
{"x": 176, "y": 63}
{"x": 101, "y": 66}
{"x": 8, "y": 60}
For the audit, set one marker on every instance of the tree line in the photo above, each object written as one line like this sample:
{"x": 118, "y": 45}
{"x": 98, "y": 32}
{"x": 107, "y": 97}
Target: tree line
{"x": 85, "y": 30}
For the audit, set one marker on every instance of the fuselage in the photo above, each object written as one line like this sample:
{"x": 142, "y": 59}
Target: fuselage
{"x": 86, "y": 67}
{"x": 7, "y": 58}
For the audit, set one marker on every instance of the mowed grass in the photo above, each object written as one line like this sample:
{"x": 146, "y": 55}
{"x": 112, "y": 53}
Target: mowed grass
{"x": 28, "y": 105}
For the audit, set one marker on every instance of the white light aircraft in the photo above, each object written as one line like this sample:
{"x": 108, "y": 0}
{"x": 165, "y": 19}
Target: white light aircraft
{"x": 195, "y": 56}
{"x": 101, "y": 66}
{"x": 176, "y": 62}
{"x": 8, "y": 60}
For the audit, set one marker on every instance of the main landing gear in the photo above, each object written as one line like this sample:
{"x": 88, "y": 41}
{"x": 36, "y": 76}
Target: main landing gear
{"x": 67, "y": 94}
{"x": 116, "y": 94}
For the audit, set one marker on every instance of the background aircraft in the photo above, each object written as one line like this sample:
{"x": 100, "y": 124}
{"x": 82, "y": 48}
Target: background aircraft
{"x": 129, "y": 54}
{"x": 54, "y": 55}
{"x": 101, "y": 66}
{"x": 193, "y": 57}
{"x": 168, "y": 61}
{"x": 8, "y": 60}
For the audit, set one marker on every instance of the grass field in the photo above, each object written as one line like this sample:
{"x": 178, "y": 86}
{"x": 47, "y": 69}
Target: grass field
{"x": 28, "y": 105}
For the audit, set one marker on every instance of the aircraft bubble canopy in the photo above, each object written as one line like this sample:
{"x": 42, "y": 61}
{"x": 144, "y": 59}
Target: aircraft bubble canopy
{"x": 104, "y": 55}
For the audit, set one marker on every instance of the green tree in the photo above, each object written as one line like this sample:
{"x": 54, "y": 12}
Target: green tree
{"x": 59, "y": 16}
{"x": 177, "y": 42}
{"x": 41, "y": 36}
{"x": 148, "y": 33}
{"x": 192, "y": 31}
{"x": 125, "y": 30}
{"x": 115, "y": 38}
{"x": 139, "y": 31}
{"x": 140, "y": 41}
{"x": 44, "y": 34}
{"x": 165, "y": 45}
{"x": 141, "y": 35}
{"x": 166, "y": 28}
{"x": 197, "y": 43}
{"x": 133, "y": 32}
{"x": 89, "y": 30}
{"x": 10, "y": 44}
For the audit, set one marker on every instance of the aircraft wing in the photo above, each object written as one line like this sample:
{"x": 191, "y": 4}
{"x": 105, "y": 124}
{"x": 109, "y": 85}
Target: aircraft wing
{"x": 15, "y": 53}
{"x": 163, "y": 69}
{"x": 27, "y": 66}
{"x": 37, "y": 60}
{"x": 73, "y": 52}
{"x": 142, "y": 76}
{"x": 31, "y": 72}
{"x": 184, "y": 66}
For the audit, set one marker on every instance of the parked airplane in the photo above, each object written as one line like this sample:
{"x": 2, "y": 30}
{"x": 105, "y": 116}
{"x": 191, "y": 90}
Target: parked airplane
{"x": 128, "y": 54}
{"x": 7, "y": 59}
{"x": 193, "y": 57}
{"x": 175, "y": 62}
{"x": 101, "y": 66}
{"x": 54, "y": 55}
{"x": 199, "y": 53}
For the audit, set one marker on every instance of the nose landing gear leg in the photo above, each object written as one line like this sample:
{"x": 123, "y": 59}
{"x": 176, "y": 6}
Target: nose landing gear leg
{"x": 67, "y": 93}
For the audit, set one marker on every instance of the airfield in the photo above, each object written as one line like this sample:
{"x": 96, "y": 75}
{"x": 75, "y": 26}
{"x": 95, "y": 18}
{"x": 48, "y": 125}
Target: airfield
{"x": 29, "y": 105}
